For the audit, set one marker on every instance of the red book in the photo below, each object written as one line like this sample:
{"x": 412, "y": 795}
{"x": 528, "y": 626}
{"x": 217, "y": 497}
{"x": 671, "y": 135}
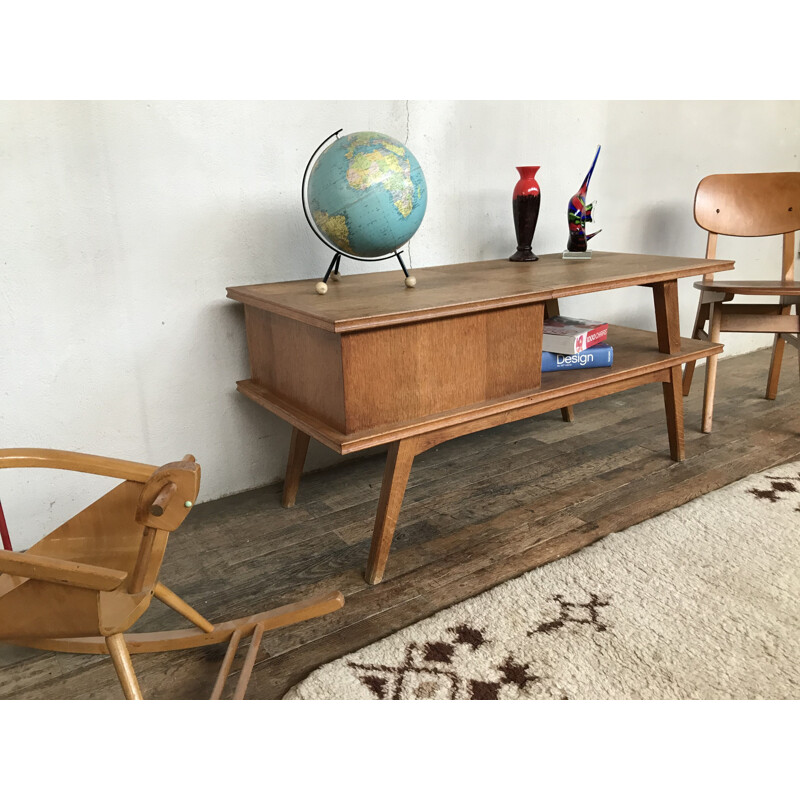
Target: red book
{"x": 568, "y": 336}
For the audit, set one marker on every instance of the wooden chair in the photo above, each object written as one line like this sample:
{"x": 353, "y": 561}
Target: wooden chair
{"x": 83, "y": 586}
{"x": 751, "y": 204}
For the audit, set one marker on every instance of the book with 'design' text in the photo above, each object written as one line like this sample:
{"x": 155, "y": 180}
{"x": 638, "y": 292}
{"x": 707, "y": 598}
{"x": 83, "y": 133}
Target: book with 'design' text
{"x": 601, "y": 355}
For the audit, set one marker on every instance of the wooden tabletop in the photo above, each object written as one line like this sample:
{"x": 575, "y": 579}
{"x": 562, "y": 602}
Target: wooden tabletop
{"x": 378, "y": 299}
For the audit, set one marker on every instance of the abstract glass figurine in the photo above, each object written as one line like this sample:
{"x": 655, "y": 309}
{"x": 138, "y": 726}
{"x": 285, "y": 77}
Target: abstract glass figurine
{"x": 578, "y": 214}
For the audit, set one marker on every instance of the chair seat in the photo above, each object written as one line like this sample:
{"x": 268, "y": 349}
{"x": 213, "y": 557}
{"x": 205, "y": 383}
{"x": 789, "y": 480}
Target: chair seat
{"x": 751, "y": 287}
{"x": 89, "y": 538}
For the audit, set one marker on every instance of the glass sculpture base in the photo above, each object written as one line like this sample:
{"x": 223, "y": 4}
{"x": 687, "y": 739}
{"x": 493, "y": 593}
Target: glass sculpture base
{"x": 577, "y": 256}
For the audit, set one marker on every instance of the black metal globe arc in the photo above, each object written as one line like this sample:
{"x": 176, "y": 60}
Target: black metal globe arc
{"x": 333, "y": 268}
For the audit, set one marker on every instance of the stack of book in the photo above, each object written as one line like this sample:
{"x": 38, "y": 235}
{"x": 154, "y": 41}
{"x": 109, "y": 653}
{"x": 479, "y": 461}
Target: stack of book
{"x": 575, "y": 344}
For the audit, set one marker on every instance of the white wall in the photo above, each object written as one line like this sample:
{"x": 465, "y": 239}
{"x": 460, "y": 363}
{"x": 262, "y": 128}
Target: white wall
{"x": 122, "y": 223}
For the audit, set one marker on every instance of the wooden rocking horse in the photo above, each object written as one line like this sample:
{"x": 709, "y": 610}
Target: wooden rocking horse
{"x": 81, "y": 588}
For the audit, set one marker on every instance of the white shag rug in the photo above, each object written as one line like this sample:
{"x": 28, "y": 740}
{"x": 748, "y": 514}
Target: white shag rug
{"x": 702, "y": 602}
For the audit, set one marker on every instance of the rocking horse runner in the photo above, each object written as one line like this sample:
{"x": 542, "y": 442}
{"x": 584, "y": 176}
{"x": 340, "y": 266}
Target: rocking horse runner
{"x": 81, "y": 588}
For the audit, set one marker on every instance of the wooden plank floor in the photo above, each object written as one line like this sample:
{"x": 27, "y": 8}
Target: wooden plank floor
{"x": 478, "y": 511}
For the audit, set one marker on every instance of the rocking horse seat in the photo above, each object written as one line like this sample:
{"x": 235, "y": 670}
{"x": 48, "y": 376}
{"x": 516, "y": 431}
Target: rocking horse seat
{"x": 81, "y": 587}
{"x": 90, "y": 576}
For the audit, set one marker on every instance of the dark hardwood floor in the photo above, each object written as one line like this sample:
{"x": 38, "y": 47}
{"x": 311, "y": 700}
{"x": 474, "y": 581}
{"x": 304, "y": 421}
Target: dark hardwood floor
{"x": 478, "y": 511}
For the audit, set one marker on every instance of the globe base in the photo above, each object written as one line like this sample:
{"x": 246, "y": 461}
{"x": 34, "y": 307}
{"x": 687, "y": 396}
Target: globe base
{"x": 333, "y": 273}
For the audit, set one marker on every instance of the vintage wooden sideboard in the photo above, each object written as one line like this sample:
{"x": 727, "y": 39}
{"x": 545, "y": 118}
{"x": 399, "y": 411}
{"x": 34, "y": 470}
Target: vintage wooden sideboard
{"x": 373, "y": 362}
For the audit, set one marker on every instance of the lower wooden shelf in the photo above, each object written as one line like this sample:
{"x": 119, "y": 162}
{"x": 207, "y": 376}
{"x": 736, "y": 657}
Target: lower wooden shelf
{"x": 637, "y": 360}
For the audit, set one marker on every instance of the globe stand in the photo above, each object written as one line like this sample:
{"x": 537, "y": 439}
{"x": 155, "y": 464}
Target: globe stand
{"x": 333, "y": 269}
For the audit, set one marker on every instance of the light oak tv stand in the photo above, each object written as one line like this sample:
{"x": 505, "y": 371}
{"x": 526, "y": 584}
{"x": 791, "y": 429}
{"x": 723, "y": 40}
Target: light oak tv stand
{"x": 372, "y": 362}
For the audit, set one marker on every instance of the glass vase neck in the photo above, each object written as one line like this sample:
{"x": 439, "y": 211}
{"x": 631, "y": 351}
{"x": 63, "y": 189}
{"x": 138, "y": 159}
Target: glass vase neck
{"x": 527, "y": 172}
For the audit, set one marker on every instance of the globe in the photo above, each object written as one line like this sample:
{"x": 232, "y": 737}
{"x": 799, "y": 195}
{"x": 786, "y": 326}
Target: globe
{"x": 367, "y": 194}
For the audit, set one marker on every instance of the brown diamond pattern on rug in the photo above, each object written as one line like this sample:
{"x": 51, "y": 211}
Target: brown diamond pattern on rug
{"x": 416, "y": 677}
{"x": 779, "y": 487}
{"x": 567, "y": 614}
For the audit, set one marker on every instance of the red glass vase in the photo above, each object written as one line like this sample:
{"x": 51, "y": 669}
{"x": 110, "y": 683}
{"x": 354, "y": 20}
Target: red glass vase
{"x": 525, "y": 205}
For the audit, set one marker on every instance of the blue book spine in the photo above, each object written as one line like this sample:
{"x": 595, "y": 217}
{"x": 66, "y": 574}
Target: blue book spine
{"x": 601, "y": 355}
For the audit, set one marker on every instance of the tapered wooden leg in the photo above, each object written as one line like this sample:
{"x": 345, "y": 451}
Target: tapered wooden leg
{"x": 121, "y": 659}
{"x": 395, "y": 477}
{"x": 673, "y": 405}
{"x": 775, "y": 363}
{"x": 169, "y": 598}
{"x": 775, "y": 367}
{"x": 551, "y": 310}
{"x": 711, "y": 368}
{"x": 294, "y": 466}
{"x": 699, "y": 324}
{"x": 665, "y": 299}
{"x": 688, "y": 374}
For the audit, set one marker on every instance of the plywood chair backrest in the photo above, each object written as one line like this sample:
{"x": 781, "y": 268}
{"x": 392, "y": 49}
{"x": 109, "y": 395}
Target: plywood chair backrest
{"x": 749, "y": 204}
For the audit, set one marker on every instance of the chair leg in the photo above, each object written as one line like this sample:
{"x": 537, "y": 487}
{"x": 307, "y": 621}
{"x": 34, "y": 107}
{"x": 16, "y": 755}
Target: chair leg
{"x": 121, "y": 658}
{"x": 715, "y": 314}
{"x": 699, "y": 324}
{"x": 775, "y": 367}
{"x": 776, "y": 361}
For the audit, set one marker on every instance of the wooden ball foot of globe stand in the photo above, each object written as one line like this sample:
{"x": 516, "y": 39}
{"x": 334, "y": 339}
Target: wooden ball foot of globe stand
{"x": 411, "y": 281}
{"x": 321, "y": 287}
{"x": 333, "y": 270}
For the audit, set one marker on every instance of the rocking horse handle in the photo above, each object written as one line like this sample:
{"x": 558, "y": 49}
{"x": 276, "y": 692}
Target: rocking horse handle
{"x": 162, "y": 499}
{"x": 168, "y": 491}
{"x": 76, "y": 462}
{"x": 60, "y": 570}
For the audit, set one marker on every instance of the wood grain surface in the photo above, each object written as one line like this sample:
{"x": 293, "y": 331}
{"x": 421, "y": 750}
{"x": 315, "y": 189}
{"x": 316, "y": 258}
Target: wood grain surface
{"x": 749, "y": 204}
{"x": 635, "y": 355}
{"x": 433, "y": 366}
{"x": 372, "y": 300}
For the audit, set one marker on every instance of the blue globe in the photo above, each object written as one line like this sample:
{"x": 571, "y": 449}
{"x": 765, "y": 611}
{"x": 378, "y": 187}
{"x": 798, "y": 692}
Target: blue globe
{"x": 367, "y": 194}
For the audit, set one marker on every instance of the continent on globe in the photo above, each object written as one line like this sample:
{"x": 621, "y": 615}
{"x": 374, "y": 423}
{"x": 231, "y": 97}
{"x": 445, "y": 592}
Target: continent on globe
{"x": 334, "y": 229}
{"x": 367, "y": 194}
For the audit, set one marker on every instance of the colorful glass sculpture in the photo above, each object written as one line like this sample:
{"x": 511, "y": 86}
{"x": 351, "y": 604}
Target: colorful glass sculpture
{"x": 578, "y": 214}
